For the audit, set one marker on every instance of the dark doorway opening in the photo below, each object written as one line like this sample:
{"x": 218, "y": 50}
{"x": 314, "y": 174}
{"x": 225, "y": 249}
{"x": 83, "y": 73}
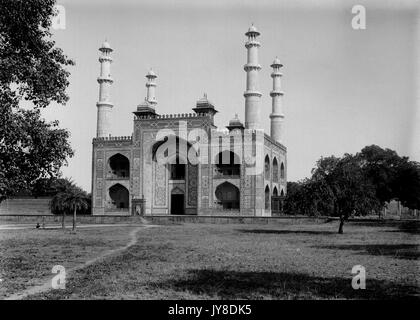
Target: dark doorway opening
{"x": 177, "y": 204}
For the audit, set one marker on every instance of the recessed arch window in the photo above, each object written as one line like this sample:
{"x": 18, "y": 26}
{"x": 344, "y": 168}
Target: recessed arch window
{"x": 119, "y": 166}
{"x": 267, "y": 168}
{"x": 275, "y": 192}
{"x": 119, "y": 196}
{"x": 227, "y": 195}
{"x": 275, "y": 170}
{"x": 282, "y": 171}
{"x": 267, "y": 198}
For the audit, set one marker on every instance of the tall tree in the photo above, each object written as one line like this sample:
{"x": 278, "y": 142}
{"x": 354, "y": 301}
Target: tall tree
{"x": 32, "y": 74}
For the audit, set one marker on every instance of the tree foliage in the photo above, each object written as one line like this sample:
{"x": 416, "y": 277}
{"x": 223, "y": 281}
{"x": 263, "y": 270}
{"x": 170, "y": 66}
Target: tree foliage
{"x": 69, "y": 198}
{"x": 32, "y": 75}
{"x": 356, "y": 185}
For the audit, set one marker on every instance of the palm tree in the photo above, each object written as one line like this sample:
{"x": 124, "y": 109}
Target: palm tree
{"x": 76, "y": 200}
{"x": 58, "y": 204}
{"x": 69, "y": 198}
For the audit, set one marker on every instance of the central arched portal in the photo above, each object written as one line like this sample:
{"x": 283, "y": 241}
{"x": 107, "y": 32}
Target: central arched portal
{"x": 228, "y": 196}
{"x": 177, "y": 201}
{"x": 119, "y": 197}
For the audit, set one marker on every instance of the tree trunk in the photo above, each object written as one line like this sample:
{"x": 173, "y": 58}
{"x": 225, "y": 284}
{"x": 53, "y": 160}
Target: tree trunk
{"x": 63, "y": 218}
{"x": 340, "y": 228}
{"x": 74, "y": 219}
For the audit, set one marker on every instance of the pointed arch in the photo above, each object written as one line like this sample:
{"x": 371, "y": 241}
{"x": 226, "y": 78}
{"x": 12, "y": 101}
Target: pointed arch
{"x": 282, "y": 193}
{"x": 267, "y": 198}
{"x": 275, "y": 170}
{"x": 275, "y": 192}
{"x": 119, "y": 196}
{"x": 227, "y": 195}
{"x": 282, "y": 173}
{"x": 267, "y": 167}
{"x": 119, "y": 166}
{"x": 177, "y": 201}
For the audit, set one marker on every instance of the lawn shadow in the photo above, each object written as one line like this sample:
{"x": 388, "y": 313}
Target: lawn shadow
{"x": 397, "y": 251}
{"x": 273, "y": 231}
{"x": 225, "y": 284}
{"x": 411, "y": 227}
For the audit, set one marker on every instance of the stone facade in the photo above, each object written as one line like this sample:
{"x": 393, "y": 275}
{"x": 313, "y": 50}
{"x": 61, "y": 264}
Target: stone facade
{"x": 238, "y": 171}
{"x": 151, "y": 181}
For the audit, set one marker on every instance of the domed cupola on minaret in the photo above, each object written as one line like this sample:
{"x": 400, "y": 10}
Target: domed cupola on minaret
{"x": 235, "y": 123}
{"x": 204, "y": 106}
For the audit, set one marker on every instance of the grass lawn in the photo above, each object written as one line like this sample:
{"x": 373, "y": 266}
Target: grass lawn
{"x": 27, "y": 256}
{"x": 291, "y": 260}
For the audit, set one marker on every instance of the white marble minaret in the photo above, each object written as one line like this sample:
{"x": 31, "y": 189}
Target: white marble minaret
{"x": 276, "y": 94}
{"x": 104, "y": 105}
{"x": 252, "y": 68}
{"x": 151, "y": 88}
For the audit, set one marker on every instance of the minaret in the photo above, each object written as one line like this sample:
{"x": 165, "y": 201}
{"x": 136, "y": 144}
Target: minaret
{"x": 151, "y": 88}
{"x": 148, "y": 106}
{"x": 252, "y": 68}
{"x": 105, "y": 81}
{"x": 276, "y": 94}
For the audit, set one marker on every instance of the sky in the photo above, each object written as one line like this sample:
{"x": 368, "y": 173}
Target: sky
{"x": 344, "y": 88}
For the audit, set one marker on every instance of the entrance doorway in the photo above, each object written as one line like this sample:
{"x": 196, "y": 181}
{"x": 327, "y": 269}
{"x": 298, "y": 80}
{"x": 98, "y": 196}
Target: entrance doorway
{"x": 177, "y": 203}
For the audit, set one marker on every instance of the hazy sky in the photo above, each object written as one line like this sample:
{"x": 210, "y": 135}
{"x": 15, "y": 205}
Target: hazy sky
{"x": 344, "y": 88}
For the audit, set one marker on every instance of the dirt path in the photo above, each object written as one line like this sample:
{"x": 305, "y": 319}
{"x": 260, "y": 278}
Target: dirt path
{"x": 47, "y": 280}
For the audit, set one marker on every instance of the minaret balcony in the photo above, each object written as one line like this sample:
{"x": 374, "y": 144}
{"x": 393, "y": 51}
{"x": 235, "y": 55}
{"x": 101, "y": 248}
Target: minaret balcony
{"x": 274, "y": 93}
{"x": 105, "y": 58}
{"x": 276, "y": 115}
{"x": 105, "y": 79}
{"x": 250, "y": 93}
{"x": 252, "y": 43}
{"x": 251, "y": 66}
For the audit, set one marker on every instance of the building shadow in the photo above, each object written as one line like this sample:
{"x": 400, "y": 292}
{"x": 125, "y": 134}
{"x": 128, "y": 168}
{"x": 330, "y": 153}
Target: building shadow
{"x": 281, "y": 285}
{"x": 273, "y": 231}
{"x": 397, "y": 251}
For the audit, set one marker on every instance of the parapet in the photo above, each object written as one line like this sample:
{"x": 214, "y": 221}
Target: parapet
{"x": 171, "y": 116}
{"x": 111, "y": 138}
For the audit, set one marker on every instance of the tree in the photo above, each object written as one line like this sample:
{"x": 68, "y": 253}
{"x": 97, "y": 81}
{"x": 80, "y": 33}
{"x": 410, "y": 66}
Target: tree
{"x": 77, "y": 200}
{"x": 69, "y": 198}
{"x": 356, "y": 185}
{"x": 350, "y": 190}
{"x": 407, "y": 184}
{"x": 32, "y": 73}
{"x": 353, "y": 192}
{"x": 381, "y": 166}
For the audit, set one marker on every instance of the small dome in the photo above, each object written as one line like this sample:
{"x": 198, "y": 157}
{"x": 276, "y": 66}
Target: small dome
{"x": 151, "y": 73}
{"x": 276, "y": 63}
{"x": 235, "y": 122}
{"x": 105, "y": 46}
{"x": 203, "y": 100}
{"x": 252, "y": 31}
